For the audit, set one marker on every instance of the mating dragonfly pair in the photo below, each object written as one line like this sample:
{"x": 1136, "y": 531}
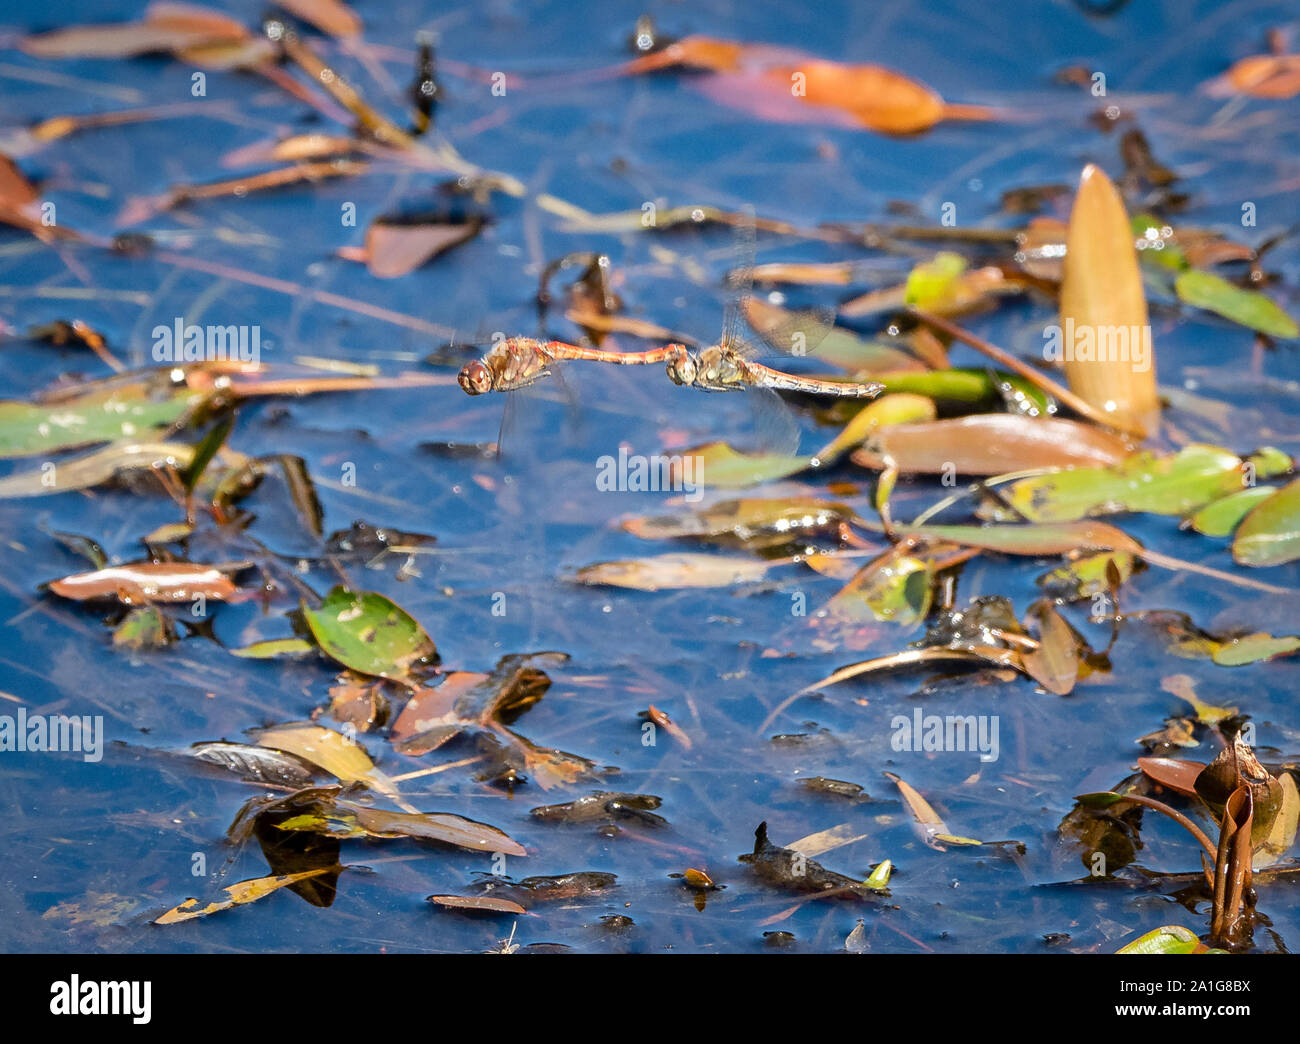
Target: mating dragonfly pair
{"x": 729, "y": 365}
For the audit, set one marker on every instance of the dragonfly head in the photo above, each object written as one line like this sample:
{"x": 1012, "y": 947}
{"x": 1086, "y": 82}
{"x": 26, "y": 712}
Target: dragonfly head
{"x": 681, "y": 370}
{"x": 475, "y": 378}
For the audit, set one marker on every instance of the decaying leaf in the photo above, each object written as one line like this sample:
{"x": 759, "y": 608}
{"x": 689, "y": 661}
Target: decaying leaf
{"x": 139, "y": 583}
{"x": 674, "y": 571}
{"x": 240, "y": 894}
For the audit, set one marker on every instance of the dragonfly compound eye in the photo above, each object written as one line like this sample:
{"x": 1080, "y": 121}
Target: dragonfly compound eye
{"x": 475, "y": 378}
{"x": 682, "y": 371}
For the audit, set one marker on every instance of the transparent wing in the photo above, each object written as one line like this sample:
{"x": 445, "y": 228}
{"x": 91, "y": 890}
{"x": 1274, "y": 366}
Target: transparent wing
{"x": 537, "y": 417}
{"x": 793, "y": 333}
{"x": 776, "y": 429}
{"x": 739, "y": 280}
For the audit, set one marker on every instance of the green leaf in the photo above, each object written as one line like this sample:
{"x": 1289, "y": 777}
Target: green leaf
{"x": 930, "y": 285}
{"x": 879, "y": 878}
{"x": 1270, "y": 533}
{"x": 1169, "y": 939}
{"x": 1220, "y": 517}
{"x": 1248, "y": 307}
{"x": 717, "y": 464}
{"x": 1037, "y": 538}
{"x": 1175, "y": 485}
{"x": 274, "y": 647}
{"x": 371, "y": 634}
{"x": 970, "y": 386}
{"x": 102, "y": 416}
{"x": 1253, "y": 648}
{"x": 1087, "y": 576}
{"x": 889, "y": 589}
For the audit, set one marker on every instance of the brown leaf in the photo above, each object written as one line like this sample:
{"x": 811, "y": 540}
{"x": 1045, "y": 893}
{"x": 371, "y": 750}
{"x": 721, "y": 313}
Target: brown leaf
{"x": 1173, "y": 773}
{"x": 329, "y": 16}
{"x": 1274, "y": 76}
{"x": 142, "y": 582}
{"x": 478, "y": 903}
{"x": 1101, "y": 296}
{"x": 393, "y": 249}
{"x": 1055, "y": 663}
{"x": 990, "y": 444}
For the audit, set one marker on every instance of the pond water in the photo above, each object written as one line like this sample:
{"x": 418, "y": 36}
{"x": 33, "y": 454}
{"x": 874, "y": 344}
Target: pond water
{"x": 95, "y": 850}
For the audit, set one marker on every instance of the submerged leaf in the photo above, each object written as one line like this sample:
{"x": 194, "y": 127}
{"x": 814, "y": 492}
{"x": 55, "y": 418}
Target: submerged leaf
{"x": 665, "y": 572}
{"x": 241, "y": 893}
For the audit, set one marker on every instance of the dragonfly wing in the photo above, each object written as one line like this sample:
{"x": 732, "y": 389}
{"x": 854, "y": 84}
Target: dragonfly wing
{"x": 797, "y": 333}
{"x": 776, "y": 429}
{"x": 740, "y": 279}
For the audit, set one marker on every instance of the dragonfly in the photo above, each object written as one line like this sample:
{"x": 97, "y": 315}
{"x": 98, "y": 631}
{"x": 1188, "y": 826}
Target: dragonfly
{"x": 516, "y": 362}
{"x": 731, "y": 364}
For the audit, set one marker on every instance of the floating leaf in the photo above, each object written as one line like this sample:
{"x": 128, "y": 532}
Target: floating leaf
{"x": 329, "y": 16}
{"x": 1190, "y": 479}
{"x": 1220, "y": 517}
{"x": 1169, "y": 939}
{"x": 274, "y": 647}
{"x": 971, "y": 655}
{"x": 1235, "y": 652}
{"x": 1270, "y": 533}
{"x": 1248, "y": 307}
{"x": 143, "y": 582}
{"x": 1034, "y": 538}
{"x": 257, "y": 764}
{"x": 990, "y": 444}
{"x": 444, "y": 827}
{"x": 95, "y": 469}
{"x": 934, "y": 831}
{"x": 110, "y": 415}
{"x": 395, "y": 249}
{"x": 332, "y": 751}
{"x": 240, "y": 894}
{"x": 1087, "y": 576}
{"x": 1183, "y": 687}
{"x": 884, "y": 413}
{"x": 759, "y": 79}
{"x": 370, "y": 634}
{"x": 1173, "y": 773}
{"x": 477, "y": 903}
{"x": 750, "y": 522}
{"x": 1260, "y": 76}
{"x": 1101, "y": 296}
{"x": 664, "y": 572}
{"x": 890, "y": 589}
